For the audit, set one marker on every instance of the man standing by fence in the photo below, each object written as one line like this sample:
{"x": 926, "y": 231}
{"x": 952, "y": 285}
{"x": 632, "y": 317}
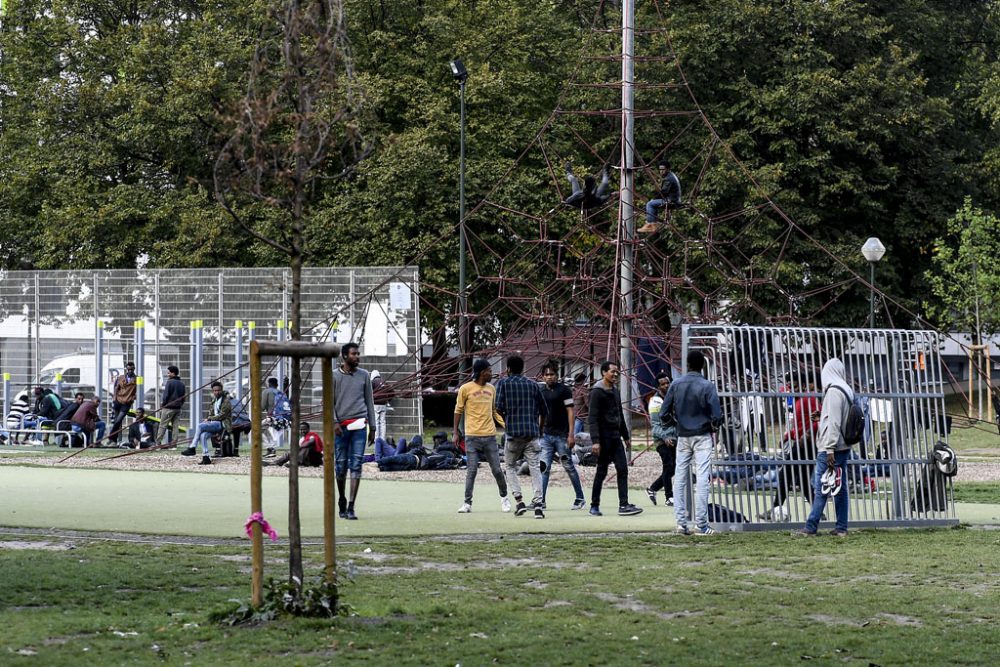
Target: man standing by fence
{"x": 170, "y": 404}
{"x": 694, "y": 403}
{"x": 123, "y": 397}
{"x": 354, "y": 424}
{"x": 520, "y": 403}
{"x": 833, "y": 451}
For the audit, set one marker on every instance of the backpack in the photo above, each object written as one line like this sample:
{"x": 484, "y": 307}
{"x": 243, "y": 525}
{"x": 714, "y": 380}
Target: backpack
{"x": 853, "y": 428}
{"x": 282, "y": 406}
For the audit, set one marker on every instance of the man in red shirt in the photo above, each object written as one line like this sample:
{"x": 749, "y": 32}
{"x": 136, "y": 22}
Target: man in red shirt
{"x": 310, "y": 449}
{"x": 801, "y": 446}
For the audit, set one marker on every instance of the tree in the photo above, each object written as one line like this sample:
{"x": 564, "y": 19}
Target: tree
{"x": 965, "y": 278}
{"x": 294, "y": 132}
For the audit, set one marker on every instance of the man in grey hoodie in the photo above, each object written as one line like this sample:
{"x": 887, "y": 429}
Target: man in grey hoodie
{"x": 832, "y": 451}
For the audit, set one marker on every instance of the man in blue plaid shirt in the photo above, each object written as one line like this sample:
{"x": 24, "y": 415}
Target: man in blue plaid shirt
{"x": 520, "y": 403}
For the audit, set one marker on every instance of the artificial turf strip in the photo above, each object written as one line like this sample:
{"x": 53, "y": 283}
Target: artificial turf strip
{"x": 218, "y": 505}
{"x": 881, "y": 597}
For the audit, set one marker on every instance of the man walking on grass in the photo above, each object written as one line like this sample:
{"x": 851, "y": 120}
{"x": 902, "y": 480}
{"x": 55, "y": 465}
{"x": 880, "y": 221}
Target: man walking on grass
{"x": 476, "y": 403}
{"x": 520, "y": 403}
{"x": 558, "y": 438}
{"x": 694, "y": 403}
{"x": 354, "y": 424}
{"x": 610, "y": 434}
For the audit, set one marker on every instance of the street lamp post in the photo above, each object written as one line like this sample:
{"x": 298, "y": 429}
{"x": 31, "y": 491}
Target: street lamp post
{"x": 873, "y": 250}
{"x": 460, "y": 75}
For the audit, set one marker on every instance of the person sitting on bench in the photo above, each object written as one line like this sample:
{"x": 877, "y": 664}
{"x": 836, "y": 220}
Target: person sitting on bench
{"x": 670, "y": 198}
{"x": 587, "y": 197}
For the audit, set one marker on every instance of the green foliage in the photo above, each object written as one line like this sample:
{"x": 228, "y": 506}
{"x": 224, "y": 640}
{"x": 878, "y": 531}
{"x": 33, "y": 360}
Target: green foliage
{"x": 965, "y": 278}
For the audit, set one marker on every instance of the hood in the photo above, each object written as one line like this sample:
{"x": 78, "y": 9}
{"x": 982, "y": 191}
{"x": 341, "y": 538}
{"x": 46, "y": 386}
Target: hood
{"x": 375, "y": 374}
{"x": 834, "y": 374}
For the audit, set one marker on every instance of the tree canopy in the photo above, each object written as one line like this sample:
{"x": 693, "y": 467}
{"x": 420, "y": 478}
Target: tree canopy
{"x": 859, "y": 119}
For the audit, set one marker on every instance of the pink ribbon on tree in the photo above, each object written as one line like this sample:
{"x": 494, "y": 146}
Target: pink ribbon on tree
{"x": 265, "y": 527}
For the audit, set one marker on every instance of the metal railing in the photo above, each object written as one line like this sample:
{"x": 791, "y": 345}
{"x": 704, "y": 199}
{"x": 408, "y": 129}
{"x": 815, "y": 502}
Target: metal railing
{"x": 761, "y": 476}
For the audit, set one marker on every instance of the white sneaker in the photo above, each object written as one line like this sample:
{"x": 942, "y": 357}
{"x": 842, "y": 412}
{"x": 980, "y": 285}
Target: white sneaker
{"x": 505, "y": 503}
{"x": 465, "y": 508}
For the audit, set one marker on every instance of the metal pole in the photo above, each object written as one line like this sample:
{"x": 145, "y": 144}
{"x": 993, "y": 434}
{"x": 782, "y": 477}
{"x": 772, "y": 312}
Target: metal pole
{"x": 626, "y": 206}
{"x": 193, "y": 379}
{"x": 871, "y": 296}
{"x": 463, "y": 333}
{"x": 6, "y": 394}
{"x": 239, "y": 361}
{"x": 140, "y": 365}
{"x": 282, "y": 337}
{"x": 156, "y": 340}
{"x": 99, "y": 358}
{"x": 38, "y": 320}
{"x": 220, "y": 366}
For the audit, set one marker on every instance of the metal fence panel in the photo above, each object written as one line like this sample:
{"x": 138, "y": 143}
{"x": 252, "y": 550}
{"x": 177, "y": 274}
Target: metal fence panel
{"x": 761, "y": 477}
{"x": 49, "y": 319}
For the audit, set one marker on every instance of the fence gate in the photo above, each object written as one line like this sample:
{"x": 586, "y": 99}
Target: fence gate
{"x": 761, "y": 478}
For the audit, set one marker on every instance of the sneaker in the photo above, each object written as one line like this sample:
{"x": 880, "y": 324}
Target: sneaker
{"x": 521, "y": 508}
{"x": 505, "y": 504}
{"x": 705, "y": 530}
{"x": 595, "y": 511}
{"x": 269, "y": 453}
{"x": 838, "y": 533}
{"x": 539, "y": 514}
{"x": 652, "y": 495}
{"x": 343, "y": 514}
{"x": 351, "y": 515}
{"x": 579, "y": 504}
{"x": 765, "y": 516}
{"x": 188, "y": 452}
{"x": 802, "y": 532}
{"x": 541, "y": 506}
{"x": 683, "y": 530}
{"x": 629, "y": 510}
{"x": 205, "y": 461}
{"x": 670, "y": 501}
{"x": 465, "y": 508}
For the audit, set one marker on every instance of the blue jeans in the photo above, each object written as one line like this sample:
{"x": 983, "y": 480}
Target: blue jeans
{"x": 384, "y": 449}
{"x": 203, "y": 433}
{"x": 349, "y": 449}
{"x": 579, "y": 426}
{"x": 99, "y": 427}
{"x": 700, "y": 448}
{"x": 651, "y": 207}
{"x": 551, "y": 446}
{"x": 840, "y": 501}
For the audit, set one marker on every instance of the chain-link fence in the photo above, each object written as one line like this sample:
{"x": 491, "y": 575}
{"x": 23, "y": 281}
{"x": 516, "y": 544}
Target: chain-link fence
{"x": 49, "y": 326}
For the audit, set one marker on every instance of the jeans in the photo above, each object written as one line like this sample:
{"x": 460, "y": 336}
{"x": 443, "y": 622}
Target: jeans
{"x": 527, "y": 448}
{"x": 203, "y": 433}
{"x": 700, "y": 448}
{"x": 118, "y": 413}
{"x": 168, "y": 422}
{"x": 840, "y": 501}
{"x": 99, "y": 427}
{"x": 611, "y": 450}
{"x": 668, "y": 458}
{"x": 482, "y": 447}
{"x": 350, "y": 451}
{"x": 384, "y": 449}
{"x": 553, "y": 445}
{"x": 381, "y": 411}
{"x": 579, "y": 426}
{"x": 398, "y": 463}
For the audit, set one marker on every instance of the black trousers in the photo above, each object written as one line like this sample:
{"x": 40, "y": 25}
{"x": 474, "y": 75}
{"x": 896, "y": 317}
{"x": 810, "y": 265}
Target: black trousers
{"x": 611, "y": 450}
{"x": 797, "y": 476}
{"x": 668, "y": 457}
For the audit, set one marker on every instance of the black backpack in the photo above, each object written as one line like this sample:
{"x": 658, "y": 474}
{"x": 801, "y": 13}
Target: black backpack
{"x": 853, "y": 428}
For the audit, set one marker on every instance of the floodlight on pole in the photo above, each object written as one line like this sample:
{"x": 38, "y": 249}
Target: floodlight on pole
{"x": 460, "y": 75}
{"x": 874, "y": 251}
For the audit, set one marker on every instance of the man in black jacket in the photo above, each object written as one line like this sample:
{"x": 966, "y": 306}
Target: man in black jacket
{"x": 609, "y": 432}
{"x": 669, "y": 198}
{"x": 171, "y": 404}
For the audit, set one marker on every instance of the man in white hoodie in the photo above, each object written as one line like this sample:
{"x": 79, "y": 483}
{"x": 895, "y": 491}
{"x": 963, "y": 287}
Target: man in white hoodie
{"x": 832, "y": 451}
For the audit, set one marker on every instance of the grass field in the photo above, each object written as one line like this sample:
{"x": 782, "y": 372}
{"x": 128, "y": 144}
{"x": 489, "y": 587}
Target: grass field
{"x": 885, "y": 598}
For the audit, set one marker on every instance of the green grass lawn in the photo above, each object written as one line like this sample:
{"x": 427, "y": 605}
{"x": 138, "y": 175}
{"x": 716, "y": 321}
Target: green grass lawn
{"x": 973, "y": 439}
{"x": 886, "y": 597}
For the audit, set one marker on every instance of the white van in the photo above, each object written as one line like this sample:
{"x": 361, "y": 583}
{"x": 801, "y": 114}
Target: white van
{"x": 79, "y": 373}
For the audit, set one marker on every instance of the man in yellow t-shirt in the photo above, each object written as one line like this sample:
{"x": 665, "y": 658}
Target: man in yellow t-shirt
{"x": 477, "y": 404}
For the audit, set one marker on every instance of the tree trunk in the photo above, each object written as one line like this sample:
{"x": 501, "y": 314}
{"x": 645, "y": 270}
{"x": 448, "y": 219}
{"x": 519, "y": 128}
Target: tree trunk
{"x": 295, "y": 572}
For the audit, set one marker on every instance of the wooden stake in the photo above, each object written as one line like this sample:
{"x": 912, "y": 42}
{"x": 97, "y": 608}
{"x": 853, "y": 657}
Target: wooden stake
{"x": 329, "y": 481}
{"x": 256, "y": 473}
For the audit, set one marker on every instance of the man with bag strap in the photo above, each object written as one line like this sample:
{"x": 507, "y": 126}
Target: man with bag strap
{"x": 354, "y": 424}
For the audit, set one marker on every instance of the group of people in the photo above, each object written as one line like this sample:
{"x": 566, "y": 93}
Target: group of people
{"x": 593, "y": 193}
{"x": 540, "y": 426}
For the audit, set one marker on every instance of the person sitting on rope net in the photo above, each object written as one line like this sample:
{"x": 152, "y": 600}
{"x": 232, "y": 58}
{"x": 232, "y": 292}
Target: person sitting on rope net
{"x": 586, "y": 197}
{"x": 670, "y": 198}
